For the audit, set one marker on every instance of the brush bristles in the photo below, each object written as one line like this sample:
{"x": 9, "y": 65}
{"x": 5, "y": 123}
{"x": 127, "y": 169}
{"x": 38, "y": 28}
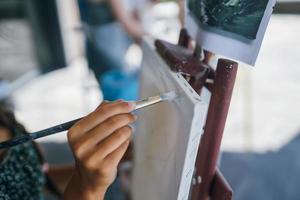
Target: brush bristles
{"x": 169, "y": 96}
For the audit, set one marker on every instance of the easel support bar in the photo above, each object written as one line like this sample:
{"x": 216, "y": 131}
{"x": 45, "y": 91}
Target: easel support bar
{"x": 211, "y": 139}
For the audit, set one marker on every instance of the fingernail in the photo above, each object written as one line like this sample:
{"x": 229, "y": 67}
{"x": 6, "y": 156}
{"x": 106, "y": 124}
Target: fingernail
{"x": 131, "y": 104}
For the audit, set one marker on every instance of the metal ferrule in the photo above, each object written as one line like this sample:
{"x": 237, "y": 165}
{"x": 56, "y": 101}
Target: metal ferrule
{"x": 147, "y": 102}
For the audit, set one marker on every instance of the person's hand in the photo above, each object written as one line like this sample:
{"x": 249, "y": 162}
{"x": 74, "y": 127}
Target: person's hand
{"x": 136, "y": 31}
{"x": 98, "y": 142}
{"x": 130, "y": 23}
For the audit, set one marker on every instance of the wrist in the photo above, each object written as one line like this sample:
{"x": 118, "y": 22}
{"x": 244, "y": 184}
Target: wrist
{"x": 79, "y": 190}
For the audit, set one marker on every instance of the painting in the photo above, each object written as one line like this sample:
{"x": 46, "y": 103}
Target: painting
{"x": 242, "y": 17}
{"x": 233, "y": 29}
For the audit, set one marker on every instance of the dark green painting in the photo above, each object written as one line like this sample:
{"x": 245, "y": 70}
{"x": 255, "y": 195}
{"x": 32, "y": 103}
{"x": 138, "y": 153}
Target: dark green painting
{"x": 242, "y": 17}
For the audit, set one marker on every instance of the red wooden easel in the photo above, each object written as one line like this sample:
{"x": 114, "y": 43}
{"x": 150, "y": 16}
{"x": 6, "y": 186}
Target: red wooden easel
{"x": 208, "y": 182}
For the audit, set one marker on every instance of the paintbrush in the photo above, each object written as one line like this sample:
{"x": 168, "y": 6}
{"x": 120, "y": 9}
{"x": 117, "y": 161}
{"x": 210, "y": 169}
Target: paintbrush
{"x": 67, "y": 125}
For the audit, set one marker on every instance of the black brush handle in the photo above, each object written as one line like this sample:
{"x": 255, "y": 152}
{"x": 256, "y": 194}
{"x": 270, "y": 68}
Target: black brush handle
{"x": 39, "y": 134}
{"x": 63, "y": 127}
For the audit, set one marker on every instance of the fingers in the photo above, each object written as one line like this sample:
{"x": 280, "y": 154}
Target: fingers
{"x": 101, "y": 114}
{"x": 106, "y": 155}
{"x": 115, "y": 157}
{"x": 99, "y": 141}
{"x": 111, "y": 143}
{"x": 88, "y": 141}
{"x": 108, "y": 127}
{"x": 105, "y": 102}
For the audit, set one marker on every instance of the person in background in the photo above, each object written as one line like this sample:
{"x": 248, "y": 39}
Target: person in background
{"x": 111, "y": 27}
{"x": 98, "y": 143}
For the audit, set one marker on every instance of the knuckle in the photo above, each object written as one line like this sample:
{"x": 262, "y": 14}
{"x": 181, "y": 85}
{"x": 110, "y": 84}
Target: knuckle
{"x": 127, "y": 130}
{"x": 89, "y": 163}
{"x": 122, "y": 107}
{"x": 127, "y": 118}
{"x": 72, "y": 131}
{"x": 131, "y": 118}
{"x": 123, "y": 134}
{"x": 105, "y": 169}
{"x": 78, "y": 149}
{"x": 113, "y": 121}
{"x": 120, "y": 136}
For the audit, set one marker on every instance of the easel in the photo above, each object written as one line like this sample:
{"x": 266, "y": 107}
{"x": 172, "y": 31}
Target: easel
{"x": 208, "y": 182}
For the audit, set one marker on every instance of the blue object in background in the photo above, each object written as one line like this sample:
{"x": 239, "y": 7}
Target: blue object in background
{"x": 116, "y": 84}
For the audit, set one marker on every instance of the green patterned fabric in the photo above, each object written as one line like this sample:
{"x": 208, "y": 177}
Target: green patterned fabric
{"x": 21, "y": 175}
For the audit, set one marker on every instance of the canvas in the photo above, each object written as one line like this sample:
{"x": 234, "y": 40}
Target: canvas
{"x": 168, "y": 134}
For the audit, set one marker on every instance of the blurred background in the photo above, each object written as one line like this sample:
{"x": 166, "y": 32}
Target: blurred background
{"x": 60, "y": 59}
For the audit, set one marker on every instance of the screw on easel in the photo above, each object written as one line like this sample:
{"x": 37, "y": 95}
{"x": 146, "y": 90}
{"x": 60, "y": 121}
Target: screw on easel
{"x": 199, "y": 179}
{"x": 229, "y": 66}
{"x": 211, "y": 81}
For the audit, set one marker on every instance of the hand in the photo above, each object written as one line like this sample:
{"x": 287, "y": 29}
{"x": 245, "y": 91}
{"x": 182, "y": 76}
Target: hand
{"x": 136, "y": 31}
{"x": 129, "y": 22}
{"x": 98, "y": 142}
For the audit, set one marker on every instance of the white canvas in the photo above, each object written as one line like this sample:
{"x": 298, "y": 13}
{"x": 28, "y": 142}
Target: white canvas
{"x": 168, "y": 134}
{"x": 228, "y": 44}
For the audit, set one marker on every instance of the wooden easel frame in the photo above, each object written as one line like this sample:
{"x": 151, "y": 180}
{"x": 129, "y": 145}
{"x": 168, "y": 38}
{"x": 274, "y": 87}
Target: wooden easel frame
{"x": 208, "y": 182}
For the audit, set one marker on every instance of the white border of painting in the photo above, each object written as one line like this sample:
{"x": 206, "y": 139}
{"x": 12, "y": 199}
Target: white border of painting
{"x": 227, "y": 46}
